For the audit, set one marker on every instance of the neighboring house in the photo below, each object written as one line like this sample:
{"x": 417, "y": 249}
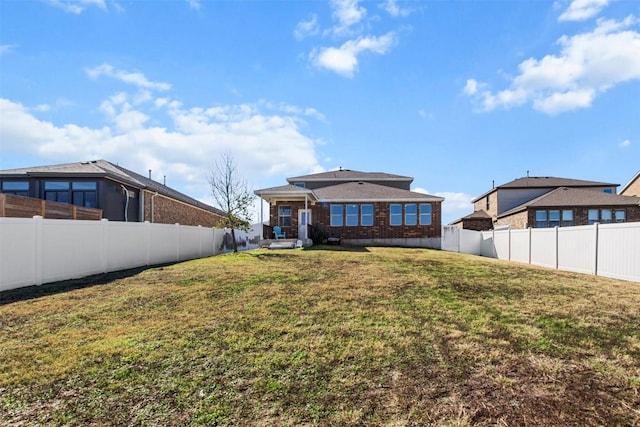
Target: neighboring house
{"x": 122, "y": 195}
{"x": 361, "y": 208}
{"x": 478, "y": 220}
{"x": 633, "y": 187}
{"x": 550, "y": 201}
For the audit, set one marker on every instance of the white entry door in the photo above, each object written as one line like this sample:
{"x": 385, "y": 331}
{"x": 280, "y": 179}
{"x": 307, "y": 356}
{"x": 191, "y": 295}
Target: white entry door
{"x": 304, "y": 219}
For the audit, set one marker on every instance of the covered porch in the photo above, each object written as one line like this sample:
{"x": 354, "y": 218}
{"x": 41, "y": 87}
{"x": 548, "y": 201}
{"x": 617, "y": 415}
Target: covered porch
{"x": 289, "y": 209}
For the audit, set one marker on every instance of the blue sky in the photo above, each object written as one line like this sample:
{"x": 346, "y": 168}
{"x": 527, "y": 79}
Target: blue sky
{"x": 457, "y": 94}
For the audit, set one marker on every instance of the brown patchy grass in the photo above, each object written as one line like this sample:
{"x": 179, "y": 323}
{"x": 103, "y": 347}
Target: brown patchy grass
{"x": 379, "y": 337}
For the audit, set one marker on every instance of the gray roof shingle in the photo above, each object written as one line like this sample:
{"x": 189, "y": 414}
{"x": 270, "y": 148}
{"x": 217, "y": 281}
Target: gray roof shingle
{"x": 574, "y": 197}
{"x": 366, "y": 191}
{"x": 350, "y": 175}
{"x": 105, "y": 169}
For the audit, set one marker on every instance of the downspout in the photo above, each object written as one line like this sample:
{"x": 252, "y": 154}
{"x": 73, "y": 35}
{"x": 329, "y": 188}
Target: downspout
{"x": 126, "y": 203}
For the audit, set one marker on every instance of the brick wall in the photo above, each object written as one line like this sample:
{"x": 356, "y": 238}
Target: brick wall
{"x": 171, "y": 211}
{"x": 477, "y": 224}
{"x": 516, "y": 221}
{"x": 481, "y": 204}
{"x": 581, "y": 216}
{"x": 320, "y": 214}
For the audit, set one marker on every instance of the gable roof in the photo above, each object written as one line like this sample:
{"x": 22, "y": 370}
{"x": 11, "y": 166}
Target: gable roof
{"x": 631, "y": 181}
{"x": 105, "y": 169}
{"x": 369, "y": 192}
{"x": 545, "y": 182}
{"x": 551, "y": 181}
{"x": 349, "y": 175}
{"x": 574, "y": 197}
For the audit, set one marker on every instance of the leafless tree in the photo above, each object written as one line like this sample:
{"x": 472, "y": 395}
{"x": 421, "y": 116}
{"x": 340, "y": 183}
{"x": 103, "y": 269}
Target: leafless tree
{"x": 232, "y": 195}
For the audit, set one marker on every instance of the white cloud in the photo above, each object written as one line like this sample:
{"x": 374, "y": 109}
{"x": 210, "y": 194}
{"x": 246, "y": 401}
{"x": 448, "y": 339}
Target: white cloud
{"x": 344, "y": 59}
{"x": 392, "y": 8}
{"x": 625, "y": 144}
{"x": 471, "y": 88}
{"x": 587, "y": 65}
{"x": 77, "y": 6}
{"x": 580, "y": 10}
{"x": 455, "y": 205}
{"x": 346, "y": 13}
{"x": 194, "y": 4}
{"x": 265, "y": 143}
{"x": 306, "y": 28}
{"x": 137, "y": 79}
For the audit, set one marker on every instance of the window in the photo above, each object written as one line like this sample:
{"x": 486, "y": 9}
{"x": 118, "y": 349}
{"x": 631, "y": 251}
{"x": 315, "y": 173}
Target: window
{"x": 620, "y": 215}
{"x": 79, "y": 193}
{"x": 366, "y": 215}
{"x": 554, "y": 218}
{"x": 395, "y": 214}
{"x": 425, "y": 214}
{"x": 567, "y": 218}
{"x": 541, "y": 219}
{"x": 19, "y": 188}
{"x": 488, "y": 203}
{"x": 608, "y": 190}
{"x": 336, "y": 216}
{"x": 352, "y": 215}
{"x": 57, "y": 191}
{"x": 593, "y": 216}
{"x": 410, "y": 214}
{"x": 84, "y": 194}
{"x": 606, "y": 216}
{"x": 284, "y": 216}
{"x": 299, "y": 184}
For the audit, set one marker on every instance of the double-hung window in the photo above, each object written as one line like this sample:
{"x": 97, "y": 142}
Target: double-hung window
{"x": 336, "y": 216}
{"x": 620, "y": 215}
{"x": 366, "y": 215}
{"x": 410, "y": 214}
{"x": 284, "y": 216}
{"x": 395, "y": 214}
{"x": 352, "y": 215}
{"x": 554, "y": 218}
{"x": 425, "y": 214}
{"x": 567, "y": 218}
{"x": 541, "y": 219}
{"x": 606, "y": 216}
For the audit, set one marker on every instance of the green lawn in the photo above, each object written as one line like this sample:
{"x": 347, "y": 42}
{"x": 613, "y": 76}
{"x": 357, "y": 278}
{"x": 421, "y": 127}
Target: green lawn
{"x": 377, "y": 336}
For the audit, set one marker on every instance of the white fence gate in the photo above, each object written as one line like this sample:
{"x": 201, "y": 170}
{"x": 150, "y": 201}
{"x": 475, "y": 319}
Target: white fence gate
{"x": 610, "y": 250}
{"x": 34, "y": 251}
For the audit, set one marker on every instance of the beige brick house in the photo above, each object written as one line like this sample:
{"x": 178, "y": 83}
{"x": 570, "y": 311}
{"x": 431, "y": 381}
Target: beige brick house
{"x": 551, "y": 201}
{"x": 123, "y": 195}
{"x": 361, "y": 208}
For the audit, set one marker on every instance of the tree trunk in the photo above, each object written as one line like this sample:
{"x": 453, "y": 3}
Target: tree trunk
{"x": 233, "y": 237}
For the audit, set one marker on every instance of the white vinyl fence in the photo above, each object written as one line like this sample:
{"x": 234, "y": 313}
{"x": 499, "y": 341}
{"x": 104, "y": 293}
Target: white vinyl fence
{"x": 34, "y": 251}
{"x": 610, "y": 250}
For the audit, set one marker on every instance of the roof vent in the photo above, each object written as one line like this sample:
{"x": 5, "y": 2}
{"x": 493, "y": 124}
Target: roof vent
{"x": 360, "y": 182}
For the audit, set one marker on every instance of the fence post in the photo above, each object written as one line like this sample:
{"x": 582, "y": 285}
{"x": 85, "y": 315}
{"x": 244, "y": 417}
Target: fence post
{"x": 147, "y": 240}
{"x": 105, "y": 245}
{"x": 39, "y": 250}
{"x": 595, "y": 264}
{"x": 177, "y": 242}
{"x": 557, "y": 243}
{"x": 530, "y": 232}
{"x": 509, "y": 241}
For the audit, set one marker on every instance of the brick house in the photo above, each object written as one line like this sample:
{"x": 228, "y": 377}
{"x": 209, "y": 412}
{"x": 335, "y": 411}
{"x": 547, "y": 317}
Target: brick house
{"x": 633, "y": 187}
{"x": 550, "y": 201}
{"x": 123, "y": 195}
{"x": 361, "y": 208}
